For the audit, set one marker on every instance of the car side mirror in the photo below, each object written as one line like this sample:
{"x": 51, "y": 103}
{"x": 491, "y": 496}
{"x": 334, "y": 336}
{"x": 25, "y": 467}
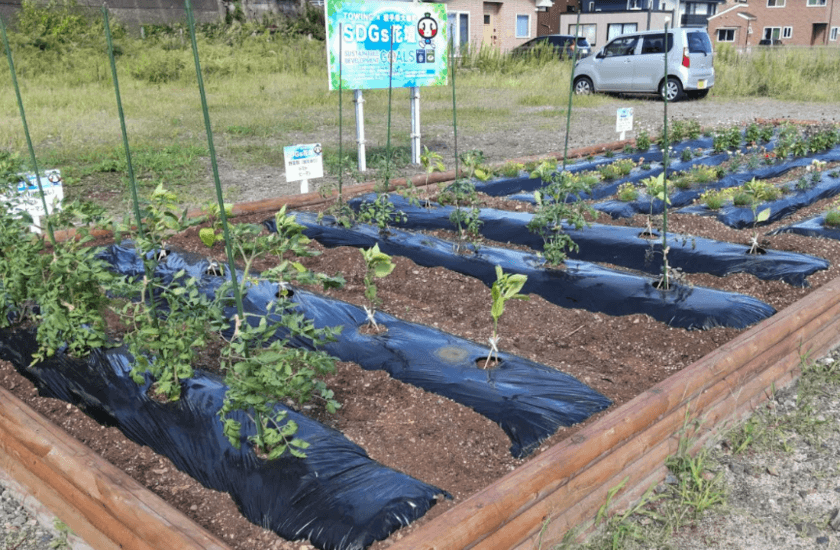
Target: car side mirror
{"x": 600, "y": 55}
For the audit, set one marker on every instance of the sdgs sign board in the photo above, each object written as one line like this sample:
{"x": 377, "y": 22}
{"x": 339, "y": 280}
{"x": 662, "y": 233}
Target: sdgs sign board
{"x": 370, "y": 44}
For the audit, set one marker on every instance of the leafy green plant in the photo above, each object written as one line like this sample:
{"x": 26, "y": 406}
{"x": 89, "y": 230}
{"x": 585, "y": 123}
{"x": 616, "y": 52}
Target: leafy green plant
{"x": 609, "y": 153}
{"x": 627, "y": 192}
{"x": 552, "y": 210}
{"x": 714, "y": 199}
{"x": 655, "y": 188}
{"x": 167, "y": 347}
{"x": 474, "y": 163}
{"x": 643, "y": 141}
{"x": 261, "y": 372}
{"x": 832, "y": 217}
{"x": 505, "y": 287}
{"x": 213, "y": 234}
{"x": 686, "y": 155}
{"x": 432, "y": 162}
{"x": 381, "y": 212}
{"x": 511, "y": 169}
{"x": 466, "y": 216}
{"x": 616, "y": 169}
{"x": 64, "y": 294}
{"x": 752, "y": 134}
{"x": 377, "y": 265}
{"x": 695, "y": 489}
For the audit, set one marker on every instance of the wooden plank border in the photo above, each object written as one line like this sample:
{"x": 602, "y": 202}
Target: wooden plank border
{"x": 565, "y": 486}
{"x": 99, "y": 502}
{"x": 533, "y": 506}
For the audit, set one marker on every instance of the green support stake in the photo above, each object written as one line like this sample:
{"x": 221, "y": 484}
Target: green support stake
{"x": 26, "y": 128}
{"x": 222, "y": 214}
{"x": 132, "y": 181}
{"x": 340, "y": 122}
{"x": 571, "y": 92}
{"x": 454, "y": 110}
{"x": 665, "y": 172}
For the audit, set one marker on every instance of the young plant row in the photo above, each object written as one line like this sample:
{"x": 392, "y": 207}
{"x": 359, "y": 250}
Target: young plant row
{"x": 67, "y": 290}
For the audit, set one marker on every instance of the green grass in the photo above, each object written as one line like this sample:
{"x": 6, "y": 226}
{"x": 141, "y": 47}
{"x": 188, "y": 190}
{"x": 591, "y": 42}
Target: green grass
{"x": 266, "y": 91}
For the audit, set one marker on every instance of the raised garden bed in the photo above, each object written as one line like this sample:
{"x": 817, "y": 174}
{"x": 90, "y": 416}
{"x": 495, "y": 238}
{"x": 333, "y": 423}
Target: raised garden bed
{"x": 622, "y": 357}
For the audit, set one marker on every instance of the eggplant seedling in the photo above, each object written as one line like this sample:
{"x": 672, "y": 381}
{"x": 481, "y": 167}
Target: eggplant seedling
{"x": 378, "y": 264}
{"x": 506, "y": 287}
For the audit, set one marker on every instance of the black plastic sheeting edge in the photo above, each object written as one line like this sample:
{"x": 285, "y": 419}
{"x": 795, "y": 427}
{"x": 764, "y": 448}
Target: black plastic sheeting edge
{"x": 623, "y": 246}
{"x": 742, "y": 217}
{"x": 528, "y": 400}
{"x": 812, "y": 227}
{"x": 580, "y": 285}
{"x": 337, "y": 497}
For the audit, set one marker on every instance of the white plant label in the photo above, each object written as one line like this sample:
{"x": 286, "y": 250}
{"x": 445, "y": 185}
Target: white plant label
{"x": 30, "y": 198}
{"x": 303, "y": 162}
{"x": 624, "y": 120}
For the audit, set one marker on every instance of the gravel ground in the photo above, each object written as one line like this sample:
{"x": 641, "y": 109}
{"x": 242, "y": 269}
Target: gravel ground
{"x": 589, "y": 126}
{"x": 775, "y": 500}
{"x": 780, "y": 499}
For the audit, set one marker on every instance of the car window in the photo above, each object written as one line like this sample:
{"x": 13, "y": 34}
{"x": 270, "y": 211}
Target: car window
{"x": 698, "y": 42}
{"x": 621, "y": 46}
{"x": 653, "y": 43}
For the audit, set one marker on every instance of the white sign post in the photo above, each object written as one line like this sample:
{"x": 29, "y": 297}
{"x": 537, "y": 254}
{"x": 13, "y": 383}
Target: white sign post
{"x": 624, "y": 121}
{"x": 303, "y": 162}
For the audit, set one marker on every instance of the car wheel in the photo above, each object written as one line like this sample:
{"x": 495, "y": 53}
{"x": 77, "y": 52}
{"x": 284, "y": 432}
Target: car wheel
{"x": 699, "y": 94}
{"x": 583, "y": 86}
{"x": 673, "y": 88}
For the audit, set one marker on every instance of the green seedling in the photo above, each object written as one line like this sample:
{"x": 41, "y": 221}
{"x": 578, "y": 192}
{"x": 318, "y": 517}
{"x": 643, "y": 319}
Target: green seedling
{"x": 381, "y": 212}
{"x": 378, "y": 265}
{"x": 506, "y": 287}
{"x": 557, "y": 204}
{"x": 213, "y": 234}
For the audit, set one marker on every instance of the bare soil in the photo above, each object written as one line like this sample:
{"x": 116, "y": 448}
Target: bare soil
{"x": 430, "y": 437}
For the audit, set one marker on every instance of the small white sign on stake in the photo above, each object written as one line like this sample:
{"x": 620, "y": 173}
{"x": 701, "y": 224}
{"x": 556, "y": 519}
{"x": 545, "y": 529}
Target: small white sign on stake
{"x": 624, "y": 121}
{"x": 29, "y": 197}
{"x": 303, "y": 162}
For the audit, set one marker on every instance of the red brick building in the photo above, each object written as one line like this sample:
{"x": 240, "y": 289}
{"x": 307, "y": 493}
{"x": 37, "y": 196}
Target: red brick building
{"x": 793, "y": 22}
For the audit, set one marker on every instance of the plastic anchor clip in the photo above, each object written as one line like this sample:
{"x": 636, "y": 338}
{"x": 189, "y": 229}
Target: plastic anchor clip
{"x": 370, "y": 318}
{"x": 494, "y": 349}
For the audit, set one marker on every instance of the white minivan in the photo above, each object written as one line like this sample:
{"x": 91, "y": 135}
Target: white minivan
{"x": 635, "y": 63}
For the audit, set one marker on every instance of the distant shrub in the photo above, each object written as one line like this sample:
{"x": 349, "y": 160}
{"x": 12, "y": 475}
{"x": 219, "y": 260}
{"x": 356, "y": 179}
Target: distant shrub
{"x": 157, "y": 66}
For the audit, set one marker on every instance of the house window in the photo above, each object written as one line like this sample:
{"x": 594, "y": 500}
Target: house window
{"x": 833, "y": 35}
{"x": 726, "y": 35}
{"x": 816, "y": 3}
{"x": 523, "y": 26}
{"x": 776, "y": 3}
{"x": 458, "y": 25}
{"x": 617, "y": 29}
{"x": 771, "y": 33}
{"x": 592, "y": 6}
{"x": 787, "y": 32}
{"x": 587, "y": 31}
{"x": 634, "y": 4}
{"x": 486, "y": 18}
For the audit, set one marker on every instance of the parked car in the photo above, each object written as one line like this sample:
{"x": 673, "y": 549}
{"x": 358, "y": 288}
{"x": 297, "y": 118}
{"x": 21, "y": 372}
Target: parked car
{"x": 770, "y": 42}
{"x": 563, "y": 44}
{"x": 635, "y": 63}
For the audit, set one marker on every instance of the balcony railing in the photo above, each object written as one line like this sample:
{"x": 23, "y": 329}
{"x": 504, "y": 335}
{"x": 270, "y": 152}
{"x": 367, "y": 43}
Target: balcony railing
{"x": 694, "y": 20}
